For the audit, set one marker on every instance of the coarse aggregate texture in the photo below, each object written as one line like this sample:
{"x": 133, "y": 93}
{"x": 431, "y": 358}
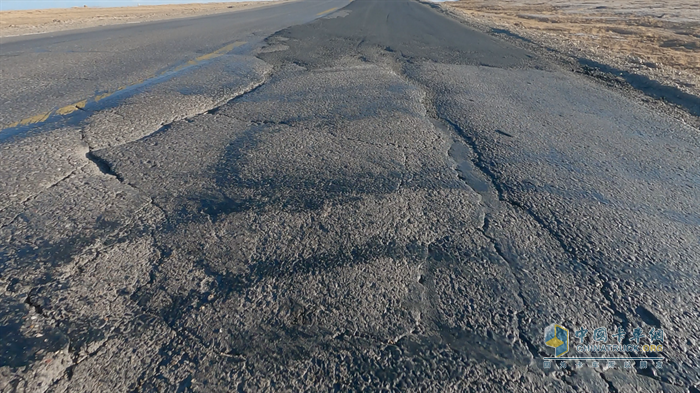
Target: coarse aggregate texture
{"x": 381, "y": 199}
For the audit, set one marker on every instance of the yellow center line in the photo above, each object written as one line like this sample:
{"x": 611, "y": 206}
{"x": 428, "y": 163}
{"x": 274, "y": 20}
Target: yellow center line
{"x": 220, "y": 52}
{"x": 102, "y": 96}
{"x": 35, "y": 119}
{"x": 327, "y": 11}
{"x": 68, "y": 109}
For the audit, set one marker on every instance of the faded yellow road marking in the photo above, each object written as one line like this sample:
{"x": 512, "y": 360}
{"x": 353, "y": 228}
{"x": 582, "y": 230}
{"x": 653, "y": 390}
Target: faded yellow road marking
{"x": 35, "y": 119}
{"x": 102, "y": 96}
{"x": 220, "y": 52}
{"x": 68, "y": 109}
{"x": 327, "y": 11}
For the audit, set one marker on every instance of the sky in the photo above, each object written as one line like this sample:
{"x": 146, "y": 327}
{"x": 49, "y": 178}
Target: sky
{"x": 6, "y": 5}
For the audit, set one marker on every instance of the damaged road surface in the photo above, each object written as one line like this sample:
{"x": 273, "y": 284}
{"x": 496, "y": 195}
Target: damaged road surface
{"x": 380, "y": 199}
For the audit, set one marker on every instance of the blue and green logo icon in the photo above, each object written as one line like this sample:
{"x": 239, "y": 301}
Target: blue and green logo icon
{"x": 557, "y": 337}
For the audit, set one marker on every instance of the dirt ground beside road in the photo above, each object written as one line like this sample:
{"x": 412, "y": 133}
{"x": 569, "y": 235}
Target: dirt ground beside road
{"x": 20, "y": 22}
{"x": 660, "y": 40}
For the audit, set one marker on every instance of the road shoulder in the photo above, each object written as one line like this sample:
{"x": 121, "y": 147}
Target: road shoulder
{"x": 25, "y": 22}
{"x": 647, "y": 69}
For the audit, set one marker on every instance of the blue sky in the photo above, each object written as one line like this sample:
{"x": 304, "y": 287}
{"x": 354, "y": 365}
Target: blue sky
{"x": 38, "y": 4}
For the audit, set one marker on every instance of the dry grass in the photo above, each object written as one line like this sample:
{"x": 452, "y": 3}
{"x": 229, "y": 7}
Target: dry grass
{"x": 659, "y": 39}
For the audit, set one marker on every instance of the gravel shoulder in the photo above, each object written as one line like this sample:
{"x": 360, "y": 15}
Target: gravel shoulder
{"x": 22, "y": 22}
{"x": 654, "y": 47}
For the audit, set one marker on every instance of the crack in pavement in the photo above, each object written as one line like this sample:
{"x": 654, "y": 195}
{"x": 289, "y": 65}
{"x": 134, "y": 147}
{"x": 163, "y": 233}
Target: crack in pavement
{"x": 611, "y": 387}
{"x": 237, "y": 257}
{"x": 32, "y": 197}
{"x": 606, "y": 290}
{"x": 431, "y": 113}
{"x": 103, "y": 166}
{"x": 480, "y": 163}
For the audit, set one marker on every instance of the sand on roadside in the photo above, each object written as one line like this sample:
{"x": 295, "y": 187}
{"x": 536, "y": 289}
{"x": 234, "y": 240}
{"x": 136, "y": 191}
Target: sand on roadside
{"x": 21, "y": 22}
{"x": 660, "y": 40}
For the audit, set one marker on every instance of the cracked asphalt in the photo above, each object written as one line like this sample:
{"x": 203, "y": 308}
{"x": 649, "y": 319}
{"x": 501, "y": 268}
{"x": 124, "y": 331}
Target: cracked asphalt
{"x": 368, "y": 197}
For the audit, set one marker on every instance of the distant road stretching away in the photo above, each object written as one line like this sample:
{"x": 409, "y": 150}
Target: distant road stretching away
{"x": 336, "y": 196}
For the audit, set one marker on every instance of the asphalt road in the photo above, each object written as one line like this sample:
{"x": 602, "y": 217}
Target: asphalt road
{"x": 47, "y": 71}
{"x": 380, "y": 199}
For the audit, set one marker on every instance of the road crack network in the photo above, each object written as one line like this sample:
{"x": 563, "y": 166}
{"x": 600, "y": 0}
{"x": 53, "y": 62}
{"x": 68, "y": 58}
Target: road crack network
{"x": 479, "y": 162}
{"x": 105, "y": 167}
{"x": 430, "y": 112}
